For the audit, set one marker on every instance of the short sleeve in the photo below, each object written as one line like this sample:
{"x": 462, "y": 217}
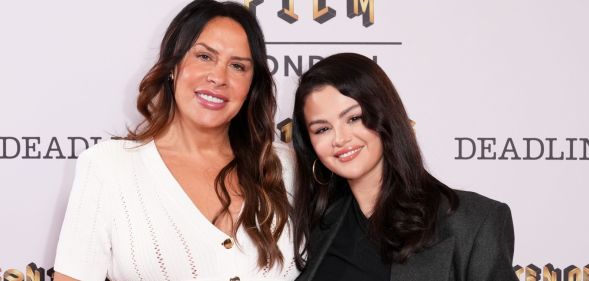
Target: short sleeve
{"x": 492, "y": 254}
{"x": 84, "y": 248}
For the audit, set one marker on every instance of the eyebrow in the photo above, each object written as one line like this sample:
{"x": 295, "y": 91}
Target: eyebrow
{"x": 342, "y": 114}
{"x": 212, "y": 50}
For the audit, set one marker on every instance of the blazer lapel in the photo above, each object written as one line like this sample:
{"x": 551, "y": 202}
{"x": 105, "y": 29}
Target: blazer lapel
{"x": 323, "y": 236}
{"x": 434, "y": 263}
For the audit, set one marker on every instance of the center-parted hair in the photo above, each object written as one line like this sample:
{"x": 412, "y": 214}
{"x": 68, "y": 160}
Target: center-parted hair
{"x": 251, "y": 131}
{"x": 404, "y": 216}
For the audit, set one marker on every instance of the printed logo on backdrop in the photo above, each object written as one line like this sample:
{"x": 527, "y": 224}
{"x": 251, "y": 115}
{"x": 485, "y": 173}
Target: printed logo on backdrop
{"x": 290, "y": 65}
{"x": 548, "y": 148}
{"x": 44, "y": 147}
{"x": 321, "y": 11}
{"x": 529, "y": 273}
{"x": 549, "y": 273}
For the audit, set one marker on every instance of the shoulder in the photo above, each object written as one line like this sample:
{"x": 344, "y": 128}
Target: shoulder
{"x": 474, "y": 210}
{"x": 110, "y": 150}
{"x": 110, "y": 155}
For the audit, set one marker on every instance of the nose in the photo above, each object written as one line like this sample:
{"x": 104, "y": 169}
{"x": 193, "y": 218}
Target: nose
{"x": 342, "y": 136}
{"x": 217, "y": 75}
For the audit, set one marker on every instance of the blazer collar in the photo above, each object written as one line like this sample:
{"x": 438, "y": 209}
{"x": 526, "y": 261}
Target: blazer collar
{"x": 433, "y": 263}
{"x": 323, "y": 235}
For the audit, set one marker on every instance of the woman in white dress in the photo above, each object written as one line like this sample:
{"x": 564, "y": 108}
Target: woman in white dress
{"x": 196, "y": 191}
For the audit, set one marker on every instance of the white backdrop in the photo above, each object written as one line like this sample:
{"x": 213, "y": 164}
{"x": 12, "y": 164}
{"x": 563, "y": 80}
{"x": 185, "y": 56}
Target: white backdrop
{"x": 502, "y": 70}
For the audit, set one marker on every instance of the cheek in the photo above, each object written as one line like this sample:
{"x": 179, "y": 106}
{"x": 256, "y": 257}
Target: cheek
{"x": 242, "y": 85}
{"x": 321, "y": 145}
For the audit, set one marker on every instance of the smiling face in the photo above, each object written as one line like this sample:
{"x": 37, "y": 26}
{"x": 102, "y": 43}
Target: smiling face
{"x": 214, "y": 77}
{"x": 341, "y": 141}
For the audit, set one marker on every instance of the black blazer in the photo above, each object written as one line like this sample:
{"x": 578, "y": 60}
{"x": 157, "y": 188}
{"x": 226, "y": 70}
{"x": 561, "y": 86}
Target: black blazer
{"x": 475, "y": 243}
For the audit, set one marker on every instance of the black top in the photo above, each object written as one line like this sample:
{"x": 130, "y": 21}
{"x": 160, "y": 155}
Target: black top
{"x": 353, "y": 255}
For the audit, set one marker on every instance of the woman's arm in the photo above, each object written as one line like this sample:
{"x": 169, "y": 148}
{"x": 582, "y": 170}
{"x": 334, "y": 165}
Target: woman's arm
{"x": 84, "y": 250}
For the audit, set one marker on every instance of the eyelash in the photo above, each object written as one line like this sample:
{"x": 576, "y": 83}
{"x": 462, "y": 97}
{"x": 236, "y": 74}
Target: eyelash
{"x": 238, "y": 67}
{"x": 320, "y": 130}
{"x": 352, "y": 119}
{"x": 355, "y": 118}
{"x": 205, "y": 57}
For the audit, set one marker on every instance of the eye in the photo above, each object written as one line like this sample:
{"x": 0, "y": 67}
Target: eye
{"x": 238, "y": 67}
{"x": 203, "y": 56}
{"x": 320, "y": 130}
{"x": 355, "y": 118}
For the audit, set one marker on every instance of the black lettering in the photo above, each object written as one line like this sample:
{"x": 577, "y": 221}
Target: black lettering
{"x": 298, "y": 69}
{"x": 313, "y": 59}
{"x": 4, "y": 154}
{"x": 31, "y": 147}
{"x": 274, "y": 69}
{"x": 487, "y": 147}
{"x": 73, "y": 154}
{"x": 550, "y": 150}
{"x": 571, "y": 147}
{"x": 585, "y": 146}
{"x": 54, "y": 146}
{"x": 95, "y": 139}
{"x": 509, "y": 147}
{"x": 529, "y": 148}
{"x": 460, "y": 154}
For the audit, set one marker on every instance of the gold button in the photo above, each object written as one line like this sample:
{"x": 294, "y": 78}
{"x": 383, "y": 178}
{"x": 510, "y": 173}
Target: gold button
{"x": 234, "y": 279}
{"x": 228, "y": 244}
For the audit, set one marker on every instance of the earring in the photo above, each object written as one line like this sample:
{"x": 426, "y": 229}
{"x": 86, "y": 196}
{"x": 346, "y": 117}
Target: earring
{"x": 171, "y": 77}
{"x": 315, "y": 175}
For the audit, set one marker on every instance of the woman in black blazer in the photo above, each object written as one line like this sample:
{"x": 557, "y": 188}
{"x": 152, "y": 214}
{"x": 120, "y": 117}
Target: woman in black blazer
{"x": 365, "y": 207}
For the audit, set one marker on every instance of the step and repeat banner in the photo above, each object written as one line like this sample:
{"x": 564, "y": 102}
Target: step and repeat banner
{"x": 498, "y": 90}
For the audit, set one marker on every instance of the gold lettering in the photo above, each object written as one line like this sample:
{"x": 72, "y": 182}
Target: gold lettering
{"x": 34, "y": 273}
{"x": 550, "y": 274}
{"x": 362, "y": 7}
{"x": 572, "y": 273}
{"x": 532, "y": 273}
{"x": 251, "y": 5}
{"x": 518, "y": 271}
{"x": 321, "y": 12}
{"x": 13, "y": 275}
{"x": 287, "y": 12}
{"x": 285, "y": 128}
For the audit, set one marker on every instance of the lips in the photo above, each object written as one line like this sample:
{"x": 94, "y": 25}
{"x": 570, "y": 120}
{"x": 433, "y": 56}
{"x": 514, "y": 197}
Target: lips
{"x": 349, "y": 153}
{"x": 211, "y": 100}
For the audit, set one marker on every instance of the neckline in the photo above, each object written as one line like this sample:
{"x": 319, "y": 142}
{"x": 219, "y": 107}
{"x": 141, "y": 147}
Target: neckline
{"x": 175, "y": 189}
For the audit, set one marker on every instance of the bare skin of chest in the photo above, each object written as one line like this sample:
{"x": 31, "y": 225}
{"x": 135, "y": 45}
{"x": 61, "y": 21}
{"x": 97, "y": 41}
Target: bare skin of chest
{"x": 196, "y": 174}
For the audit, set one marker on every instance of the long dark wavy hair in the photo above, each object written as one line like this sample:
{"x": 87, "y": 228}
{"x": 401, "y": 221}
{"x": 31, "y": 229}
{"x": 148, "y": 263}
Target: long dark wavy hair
{"x": 404, "y": 216}
{"x": 251, "y": 131}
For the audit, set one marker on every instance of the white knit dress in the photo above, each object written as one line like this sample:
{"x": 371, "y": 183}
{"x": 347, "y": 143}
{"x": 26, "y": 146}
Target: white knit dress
{"x": 129, "y": 219}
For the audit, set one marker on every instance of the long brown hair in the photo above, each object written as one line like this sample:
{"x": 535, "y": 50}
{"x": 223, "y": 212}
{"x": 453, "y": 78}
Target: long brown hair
{"x": 251, "y": 131}
{"x": 404, "y": 217}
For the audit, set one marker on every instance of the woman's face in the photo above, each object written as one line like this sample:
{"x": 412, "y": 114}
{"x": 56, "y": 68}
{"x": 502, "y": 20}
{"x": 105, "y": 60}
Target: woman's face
{"x": 213, "y": 79}
{"x": 341, "y": 141}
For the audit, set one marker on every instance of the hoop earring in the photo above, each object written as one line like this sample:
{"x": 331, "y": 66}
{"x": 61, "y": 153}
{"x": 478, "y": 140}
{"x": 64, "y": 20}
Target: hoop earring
{"x": 315, "y": 175}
